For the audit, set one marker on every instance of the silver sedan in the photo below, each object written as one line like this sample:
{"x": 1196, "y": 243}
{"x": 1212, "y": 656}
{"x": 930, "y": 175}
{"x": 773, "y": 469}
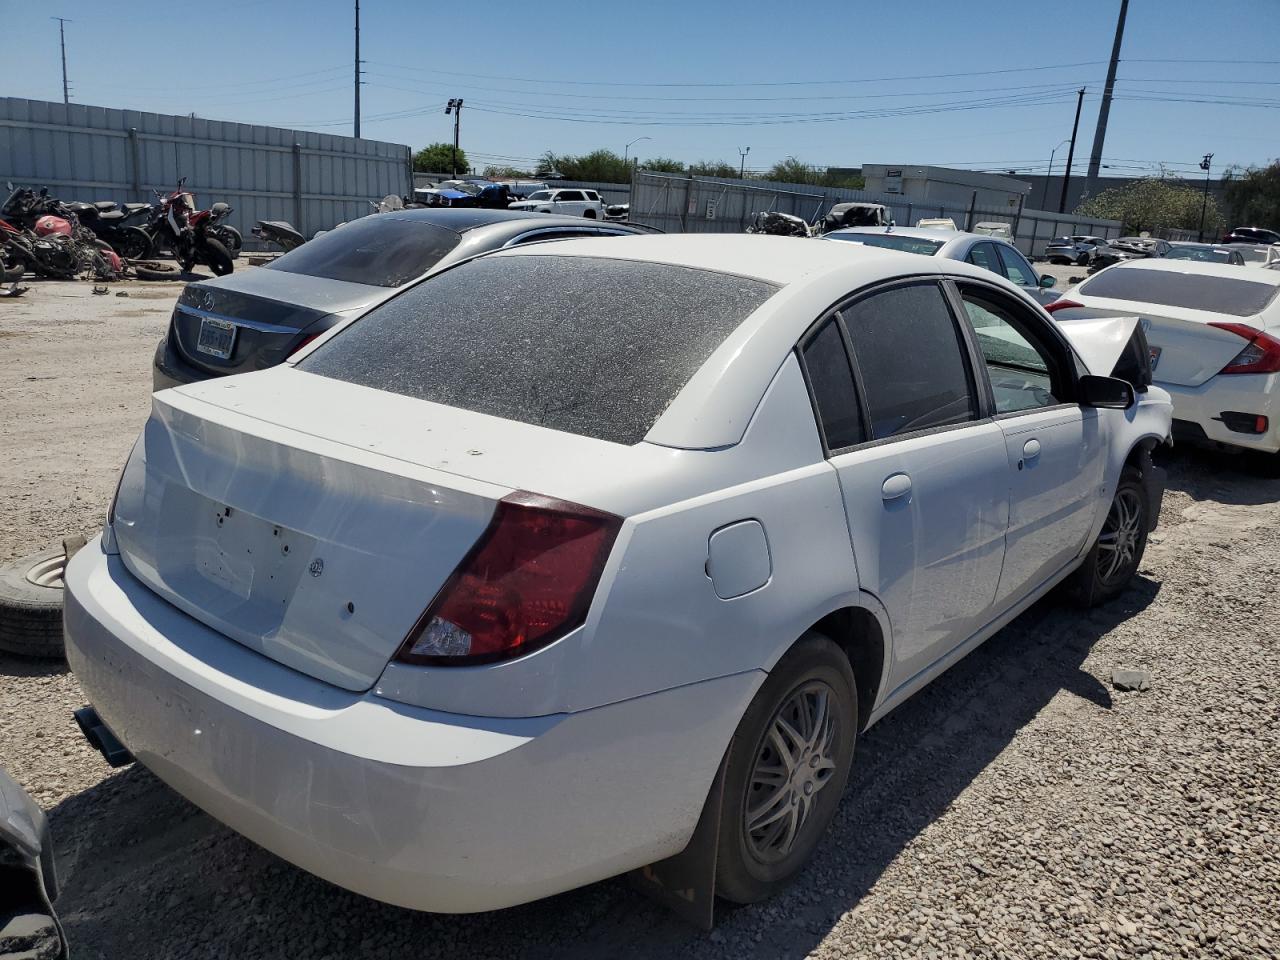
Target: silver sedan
{"x": 990, "y": 253}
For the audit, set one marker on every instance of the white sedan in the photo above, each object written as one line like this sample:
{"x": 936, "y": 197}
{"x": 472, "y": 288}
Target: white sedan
{"x": 475, "y": 599}
{"x": 1214, "y": 334}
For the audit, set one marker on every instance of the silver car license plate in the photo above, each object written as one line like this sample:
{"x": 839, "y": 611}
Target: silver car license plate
{"x": 217, "y": 338}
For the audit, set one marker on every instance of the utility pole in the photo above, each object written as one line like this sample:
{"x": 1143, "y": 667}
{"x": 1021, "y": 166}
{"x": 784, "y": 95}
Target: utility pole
{"x": 1100, "y": 134}
{"x": 1071, "y": 150}
{"x": 357, "y": 73}
{"x": 1204, "y": 204}
{"x": 62, "y": 42}
{"x": 742, "y": 167}
{"x": 1044, "y": 195}
{"x": 455, "y": 107}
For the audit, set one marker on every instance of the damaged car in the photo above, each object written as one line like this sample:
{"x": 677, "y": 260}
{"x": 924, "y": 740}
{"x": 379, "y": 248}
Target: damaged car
{"x": 630, "y": 549}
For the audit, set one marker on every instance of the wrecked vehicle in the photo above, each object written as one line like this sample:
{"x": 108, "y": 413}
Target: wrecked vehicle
{"x": 462, "y": 629}
{"x": 29, "y": 927}
{"x": 856, "y": 215}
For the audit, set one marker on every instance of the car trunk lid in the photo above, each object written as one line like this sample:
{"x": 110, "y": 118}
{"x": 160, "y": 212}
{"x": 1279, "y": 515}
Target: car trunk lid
{"x": 258, "y": 317}
{"x": 317, "y": 554}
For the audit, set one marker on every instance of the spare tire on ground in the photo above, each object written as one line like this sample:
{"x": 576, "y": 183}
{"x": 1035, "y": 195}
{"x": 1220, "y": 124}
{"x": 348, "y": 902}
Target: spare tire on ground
{"x": 155, "y": 270}
{"x": 31, "y": 602}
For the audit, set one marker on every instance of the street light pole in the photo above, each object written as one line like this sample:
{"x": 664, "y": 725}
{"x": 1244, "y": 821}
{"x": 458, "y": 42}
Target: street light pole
{"x": 455, "y": 107}
{"x": 1204, "y": 204}
{"x": 626, "y": 151}
{"x": 742, "y": 168}
{"x": 1044, "y": 196}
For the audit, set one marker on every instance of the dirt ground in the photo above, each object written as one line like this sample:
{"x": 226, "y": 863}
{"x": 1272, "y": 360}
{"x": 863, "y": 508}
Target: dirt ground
{"x": 1019, "y": 807}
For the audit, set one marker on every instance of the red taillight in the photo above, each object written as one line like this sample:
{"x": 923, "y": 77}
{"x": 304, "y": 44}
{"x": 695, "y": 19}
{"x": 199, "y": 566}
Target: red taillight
{"x": 1261, "y": 355}
{"x": 528, "y": 581}
{"x": 1062, "y": 304}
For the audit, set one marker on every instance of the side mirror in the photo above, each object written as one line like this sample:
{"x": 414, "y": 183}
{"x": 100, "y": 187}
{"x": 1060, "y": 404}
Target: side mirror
{"x": 1108, "y": 393}
{"x": 1047, "y": 281}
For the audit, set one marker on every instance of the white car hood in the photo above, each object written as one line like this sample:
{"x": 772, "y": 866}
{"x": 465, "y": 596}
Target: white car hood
{"x": 1099, "y": 340}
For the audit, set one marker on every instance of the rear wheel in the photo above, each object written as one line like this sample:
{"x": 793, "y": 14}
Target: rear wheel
{"x": 1114, "y": 559}
{"x": 589, "y": 214}
{"x": 156, "y": 270}
{"x": 1082, "y": 260}
{"x": 132, "y": 243}
{"x": 787, "y": 769}
{"x": 216, "y": 256}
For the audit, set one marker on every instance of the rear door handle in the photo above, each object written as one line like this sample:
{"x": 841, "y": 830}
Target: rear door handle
{"x": 896, "y": 485}
{"x": 1031, "y": 449}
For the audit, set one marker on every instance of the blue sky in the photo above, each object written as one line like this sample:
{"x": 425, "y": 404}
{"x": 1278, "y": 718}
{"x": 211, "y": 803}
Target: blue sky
{"x": 700, "y": 80}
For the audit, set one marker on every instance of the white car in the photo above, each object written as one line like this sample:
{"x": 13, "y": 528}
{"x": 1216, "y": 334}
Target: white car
{"x": 1214, "y": 334}
{"x": 474, "y": 599}
{"x": 570, "y": 203}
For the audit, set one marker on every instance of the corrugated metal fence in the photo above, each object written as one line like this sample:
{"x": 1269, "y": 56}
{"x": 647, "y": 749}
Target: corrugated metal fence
{"x": 684, "y": 204}
{"x": 313, "y": 180}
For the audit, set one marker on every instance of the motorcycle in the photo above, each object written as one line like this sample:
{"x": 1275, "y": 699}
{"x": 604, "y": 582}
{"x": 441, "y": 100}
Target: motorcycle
{"x": 180, "y": 227}
{"x": 224, "y": 233}
{"x": 279, "y": 232}
{"x": 110, "y": 225}
{"x": 52, "y": 246}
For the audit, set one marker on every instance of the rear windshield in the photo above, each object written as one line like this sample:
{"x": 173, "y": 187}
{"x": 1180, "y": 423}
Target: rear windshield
{"x": 378, "y": 250}
{"x": 596, "y": 347}
{"x": 1203, "y": 254}
{"x": 891, "y": 241}
{"x": 1192, "y": 291}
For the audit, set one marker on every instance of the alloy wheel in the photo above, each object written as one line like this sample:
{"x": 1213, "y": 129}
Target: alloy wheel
{"x": 1118, "y": 543}
{"x": 796, "y": 760}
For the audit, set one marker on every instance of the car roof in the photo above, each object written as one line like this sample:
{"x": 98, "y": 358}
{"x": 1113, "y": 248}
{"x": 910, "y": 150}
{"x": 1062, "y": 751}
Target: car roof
{"x": 1230, "y": 271}
{"x": 1181, "y": 244}
{"x": 462, "y": 219}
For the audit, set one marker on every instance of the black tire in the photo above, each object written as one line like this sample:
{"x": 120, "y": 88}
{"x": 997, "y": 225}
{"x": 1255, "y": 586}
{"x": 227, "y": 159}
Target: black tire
{"x": 31, "y": 613}
{"x": 1101, "y": 577}
{"x": 216, "y": 256}
{"x": 156, "y": 270}
{"x": 754, "y": 864}
{"x": 230, "y": 238}
{"x": 132, "y": 243}
{"x": 1082, "y": 260}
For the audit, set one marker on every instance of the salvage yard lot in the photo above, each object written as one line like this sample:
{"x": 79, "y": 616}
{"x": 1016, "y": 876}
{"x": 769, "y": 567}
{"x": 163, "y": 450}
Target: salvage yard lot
{"x": 1019, "y": 806}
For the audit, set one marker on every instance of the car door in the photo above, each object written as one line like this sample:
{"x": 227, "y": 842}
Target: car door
{"x": 1020, "y": 272}
{"x": 570, "y": 202}
{"x": 1054, "y": 445}
{"x": 922, "y": 468}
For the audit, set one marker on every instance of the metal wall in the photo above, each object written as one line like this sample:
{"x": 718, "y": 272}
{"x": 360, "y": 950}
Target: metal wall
{"x": 683, "y": 204}
{"x": 313, "y": 180}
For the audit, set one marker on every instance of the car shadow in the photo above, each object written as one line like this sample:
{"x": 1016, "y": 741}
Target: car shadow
{"x": 1228, "y": 478}
{"x": 129, "y": 840}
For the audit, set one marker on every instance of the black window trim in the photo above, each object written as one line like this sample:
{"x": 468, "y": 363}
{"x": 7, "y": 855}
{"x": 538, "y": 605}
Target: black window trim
{"x": 1043, "y": 334}
{"x": 975, "y": 367}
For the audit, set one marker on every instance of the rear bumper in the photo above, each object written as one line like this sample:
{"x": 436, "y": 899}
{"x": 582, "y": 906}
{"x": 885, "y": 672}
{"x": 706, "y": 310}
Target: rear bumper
{"x": 1237, "y": 393}
{"x": 168, "y": 370}
{"x": 413, "y": 807}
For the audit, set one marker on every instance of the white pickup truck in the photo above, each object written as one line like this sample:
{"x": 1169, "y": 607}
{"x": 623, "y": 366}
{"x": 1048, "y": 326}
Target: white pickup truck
{"x": 567, "y": 202}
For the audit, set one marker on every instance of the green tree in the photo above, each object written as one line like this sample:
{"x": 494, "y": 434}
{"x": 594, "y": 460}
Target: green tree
{"x": 438, "y": 158}
{"x": 1153, "y": 204}
{"x": 663, "y": 165}
{"x": 792, "y": 170}
{"x": 713, "y": 168}
{"x": 504, "y": 173}
{"x": 1253, "y": 196}
{"x": 602, "y": 165}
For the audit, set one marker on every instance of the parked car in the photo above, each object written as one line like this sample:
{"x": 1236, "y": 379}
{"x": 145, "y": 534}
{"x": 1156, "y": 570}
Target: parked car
{"x": 936, "y": 223}
{"x": 1251, "y": 235}
{"x": 1205, "y": 253}
{"x": 1078, "y": 250}
{"x": 257, "y": 318}
{"x": 1214, "y": 333}
{"x": 472, "y": 602}
{"x": 994, "y": 228}
{"x": 1258, "y": 255}
{"x": 570, "y": 203}
{"x": 1128, "y": 248}
{"x": 29, "y": 926}
{"x": 990, "y": 253}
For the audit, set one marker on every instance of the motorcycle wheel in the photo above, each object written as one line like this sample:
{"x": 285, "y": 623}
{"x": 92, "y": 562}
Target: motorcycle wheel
{"x": 156, "y": 270}
{"x": 230, "y": 238}
{"x": 132, "y": 243}
{"x": 216, "y": 256}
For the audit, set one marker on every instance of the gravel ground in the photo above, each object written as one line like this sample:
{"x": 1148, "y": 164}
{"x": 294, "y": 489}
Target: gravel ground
{"x": 1019, "y": 807}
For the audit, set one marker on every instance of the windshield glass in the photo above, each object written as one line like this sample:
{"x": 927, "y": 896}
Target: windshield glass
{"x": 891, "y": 241}
{"x": 540, "y": 195}
{"x": 1192, "y": 291}
{"x": 379, "y": 250}
{"x": 591, "y": 346}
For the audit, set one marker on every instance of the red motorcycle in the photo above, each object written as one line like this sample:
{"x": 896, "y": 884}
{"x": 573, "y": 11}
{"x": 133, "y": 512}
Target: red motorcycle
{"x": 180, "y": 227}
{"x": 50, "y": 245}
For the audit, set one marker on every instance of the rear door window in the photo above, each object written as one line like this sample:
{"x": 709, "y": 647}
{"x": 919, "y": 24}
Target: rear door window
{"x": 1016, "y": 267}
{"x": 911, "y": 360}
{"x": 380, "y": 251}
{"x": 586, "y": 345}
{"x": 984, "y": 255}
{"x": 1192, "y": 291}
{"x": 826, "y": 364}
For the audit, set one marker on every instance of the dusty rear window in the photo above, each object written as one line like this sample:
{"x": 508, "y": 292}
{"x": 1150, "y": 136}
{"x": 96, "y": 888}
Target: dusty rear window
{"x": 1192, "y": 291}
{"x": 592, "y": 346}
{"x": 378, "y": 250}
{"x": 891, "y": 241}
